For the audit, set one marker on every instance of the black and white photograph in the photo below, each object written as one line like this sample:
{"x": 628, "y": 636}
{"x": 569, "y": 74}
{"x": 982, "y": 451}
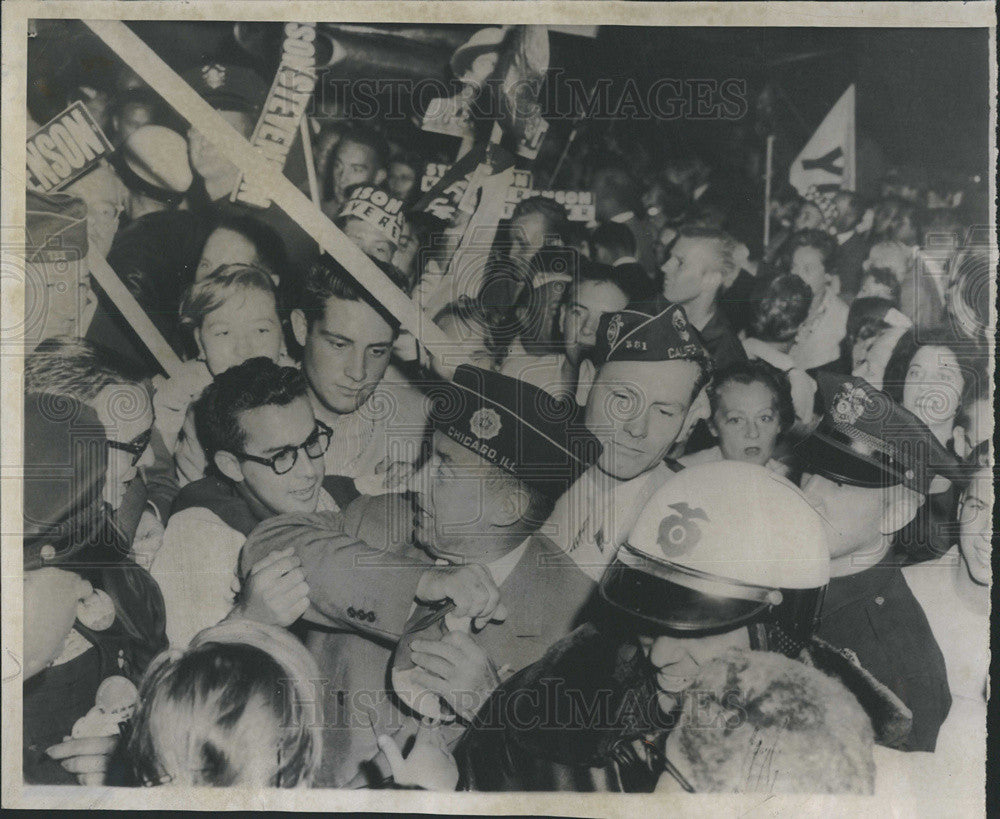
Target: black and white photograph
{"x": 490, "y": 408}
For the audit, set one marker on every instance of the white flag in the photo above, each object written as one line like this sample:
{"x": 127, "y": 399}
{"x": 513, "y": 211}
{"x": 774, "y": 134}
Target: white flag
{"x": 826, "y": 164}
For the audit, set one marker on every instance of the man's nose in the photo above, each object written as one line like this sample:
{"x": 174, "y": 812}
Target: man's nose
{"x": 355, "y": 369}
{"x": 637, "y": 425}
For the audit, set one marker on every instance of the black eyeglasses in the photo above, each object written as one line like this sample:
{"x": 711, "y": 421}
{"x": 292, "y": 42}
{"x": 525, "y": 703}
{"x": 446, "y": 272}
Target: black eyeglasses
{"x": 315, "y": 446}
{"x": 135, "y": 447}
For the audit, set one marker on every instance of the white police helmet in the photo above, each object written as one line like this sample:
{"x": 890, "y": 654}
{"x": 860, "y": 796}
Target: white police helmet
{"x": 722, "y": 545}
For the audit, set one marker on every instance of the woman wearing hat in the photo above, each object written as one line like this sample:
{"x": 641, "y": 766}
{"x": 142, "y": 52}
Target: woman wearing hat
{"x": 92, "y": 618}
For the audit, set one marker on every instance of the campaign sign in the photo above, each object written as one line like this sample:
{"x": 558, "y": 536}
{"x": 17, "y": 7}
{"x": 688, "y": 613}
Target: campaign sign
{"x": 64, "y": 149}
{"x": 285, "y": 106}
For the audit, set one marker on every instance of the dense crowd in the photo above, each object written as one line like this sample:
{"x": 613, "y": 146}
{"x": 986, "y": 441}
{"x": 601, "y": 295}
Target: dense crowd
{"x": 674, "y": 509}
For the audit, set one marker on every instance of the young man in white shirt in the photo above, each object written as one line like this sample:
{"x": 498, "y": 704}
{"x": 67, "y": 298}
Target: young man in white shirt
{"x": 266, "y": 450}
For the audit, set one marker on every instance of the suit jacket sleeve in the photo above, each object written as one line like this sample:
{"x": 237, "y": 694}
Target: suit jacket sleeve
{"x": 351, "y": 584}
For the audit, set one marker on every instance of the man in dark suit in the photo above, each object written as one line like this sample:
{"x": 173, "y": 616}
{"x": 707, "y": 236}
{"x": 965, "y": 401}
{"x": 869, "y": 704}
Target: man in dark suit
{"x": 503, "y": 451}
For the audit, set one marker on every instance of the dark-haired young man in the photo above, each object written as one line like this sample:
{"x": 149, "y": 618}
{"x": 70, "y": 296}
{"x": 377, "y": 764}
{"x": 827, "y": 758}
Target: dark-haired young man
{"x": 266, "y": 448}
{"x": 360, "y": 158}
{"x": 347, "y": 336}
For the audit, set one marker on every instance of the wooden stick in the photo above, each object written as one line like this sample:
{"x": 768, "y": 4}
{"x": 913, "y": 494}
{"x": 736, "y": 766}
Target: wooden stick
{"x": 201, "y": 116}
{"x": 307, "y": 150}
{"x": 133, "y": 313}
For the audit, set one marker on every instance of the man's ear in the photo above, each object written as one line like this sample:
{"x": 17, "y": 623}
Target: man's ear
{"x": 228, "y": 465}
{"x": 512, "y": 507}
{"x": 300, "y": 327}
{"x": 380, "y": 176}
{"x": 901, "y": 505}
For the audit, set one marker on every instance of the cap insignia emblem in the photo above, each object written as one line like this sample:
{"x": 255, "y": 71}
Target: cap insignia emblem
{"x": 680, "y": 326}
{"x": 849, "y": 404}
{"x": 214, "y": 75}
{"x": 679, "y": 533}
{"x": 485, "y": 423}
{"x": 615, "y": 328}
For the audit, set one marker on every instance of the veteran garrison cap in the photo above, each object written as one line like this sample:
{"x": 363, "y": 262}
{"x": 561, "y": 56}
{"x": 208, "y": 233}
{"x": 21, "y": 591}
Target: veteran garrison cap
{"x": 660, "y": 332}
{"x": 516, "y": 427}
{"x": 866, "y": 439}
{"x": 228, "y": 87}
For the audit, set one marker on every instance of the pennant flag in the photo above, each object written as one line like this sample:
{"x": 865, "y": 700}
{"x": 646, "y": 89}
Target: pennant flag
{"x": 826, "y": 164}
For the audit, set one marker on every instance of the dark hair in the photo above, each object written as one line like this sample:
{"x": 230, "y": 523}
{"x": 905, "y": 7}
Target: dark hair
{"x": 867, "y": 313}
{"x": 266, "y": 240}
{"x": 554, "y": 213}
{"x": 757, "y": 372}
{"x": 782, "y": 307}
{"x": 817, "y": 239}
{"x": 329, "y": 279}
{"x": 359, "y": 135}
{"x": 970, "y": 358}
{"x": 885, "y": 277}
{"x": 618, "y": 238}
{"x": 257, "y": 382}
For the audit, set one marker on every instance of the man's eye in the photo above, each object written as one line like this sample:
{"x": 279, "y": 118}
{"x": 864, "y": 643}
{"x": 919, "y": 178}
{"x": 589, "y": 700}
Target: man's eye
{"x": 734, "y": 421}
{"x": 379, "y": 353}
{"x": 667, "y": 412}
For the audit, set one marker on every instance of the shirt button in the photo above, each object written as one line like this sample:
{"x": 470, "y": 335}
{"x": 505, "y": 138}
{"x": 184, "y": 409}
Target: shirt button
{"x": 371, "y": 617}
{"x": 351, "y": 612}
{"x": 879, "y": 600}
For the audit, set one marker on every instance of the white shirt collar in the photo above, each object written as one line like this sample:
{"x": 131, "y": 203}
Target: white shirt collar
{"x": 503, "y": 566}
{"x": 624, "y": 260}
{"x": 625, "y": 216}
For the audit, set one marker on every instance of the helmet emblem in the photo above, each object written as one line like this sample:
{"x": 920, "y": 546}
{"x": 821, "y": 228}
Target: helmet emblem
{"x": 679, "y": 533}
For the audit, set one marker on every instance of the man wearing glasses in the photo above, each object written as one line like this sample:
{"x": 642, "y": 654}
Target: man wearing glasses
{"x": 266, "y": 450}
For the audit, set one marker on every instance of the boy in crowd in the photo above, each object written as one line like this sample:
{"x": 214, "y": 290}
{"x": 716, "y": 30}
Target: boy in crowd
{"x": 702, "y": 262}
{"x": 569, "y": 373}
{"x": 346, "y": 337}
{"x": 266, "y": 450}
